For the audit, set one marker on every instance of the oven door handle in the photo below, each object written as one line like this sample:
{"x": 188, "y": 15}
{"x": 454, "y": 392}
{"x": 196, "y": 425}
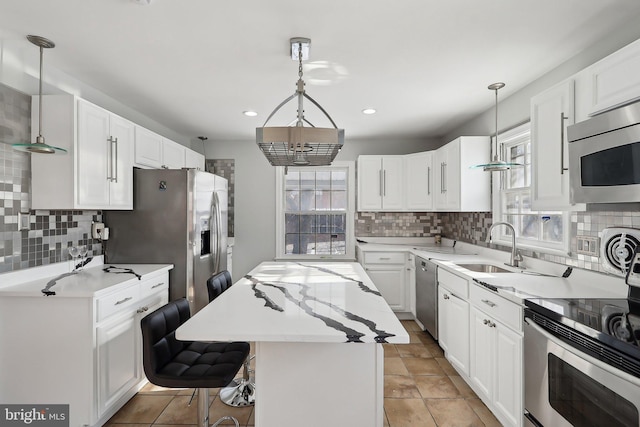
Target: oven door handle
{"x": 609, "y": 369}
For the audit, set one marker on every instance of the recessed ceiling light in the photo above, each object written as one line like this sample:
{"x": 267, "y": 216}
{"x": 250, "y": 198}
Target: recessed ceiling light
{"x": 250, "y": 113}
{"x": 369, "y": 111}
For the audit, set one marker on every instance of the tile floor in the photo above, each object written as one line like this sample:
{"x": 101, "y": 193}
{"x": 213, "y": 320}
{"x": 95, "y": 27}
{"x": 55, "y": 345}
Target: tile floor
{"x": 421, "y": 389}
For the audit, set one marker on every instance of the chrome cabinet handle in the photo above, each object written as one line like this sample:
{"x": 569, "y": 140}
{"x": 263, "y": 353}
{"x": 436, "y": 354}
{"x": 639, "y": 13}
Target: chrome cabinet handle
{"x": 384, "y": 258}
{"x": 380, "y": 182}
{"x": 142, "y": 309}
{"x": 446, "y": 296}
{"x": 489, "y": 323}
{"x": 428, "y": 180}
{"x": 115, "y": 163}
{"x": 444, "y": 176}
{"x": 110, "y": 160}
{"x": 384, "y": 182}
{"x": 485, "y": 321}
{"x": 562, "y": 119}
{"x": 489, "y": 303}
{"x": 123, "y": 300}
{"x": 159, "y": 284}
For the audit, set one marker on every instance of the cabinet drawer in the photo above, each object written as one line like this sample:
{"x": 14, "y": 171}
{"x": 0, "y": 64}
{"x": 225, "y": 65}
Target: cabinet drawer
{"x": 383, "y": 257}
{"x": 456, "y": 284}
{"x": 112, "y": 304}
{"x": 156, "y": 284}
{"x": 501, "y": 309}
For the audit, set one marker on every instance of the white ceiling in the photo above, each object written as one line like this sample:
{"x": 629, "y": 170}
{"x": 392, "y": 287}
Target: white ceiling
{"x": 195, "y": 65}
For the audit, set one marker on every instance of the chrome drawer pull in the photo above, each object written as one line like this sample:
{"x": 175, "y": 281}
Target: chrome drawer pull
{"x": 489, "y": 303}
{"x": 384, "y": 258}
{"x": 156, "y": 285}
{"x": 446, "y": 296}
{"x": 123, "y": 300}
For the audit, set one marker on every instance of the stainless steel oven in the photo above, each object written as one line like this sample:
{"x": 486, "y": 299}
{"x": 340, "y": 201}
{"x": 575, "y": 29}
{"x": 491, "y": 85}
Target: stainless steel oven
{"x": 604, "y": 156}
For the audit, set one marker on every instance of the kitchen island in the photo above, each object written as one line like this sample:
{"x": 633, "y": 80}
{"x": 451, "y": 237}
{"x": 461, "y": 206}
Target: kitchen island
{"x": 318, "y": 330}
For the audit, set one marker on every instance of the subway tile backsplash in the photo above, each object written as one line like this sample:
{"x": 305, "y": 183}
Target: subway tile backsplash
{"x": 50, "y": 232}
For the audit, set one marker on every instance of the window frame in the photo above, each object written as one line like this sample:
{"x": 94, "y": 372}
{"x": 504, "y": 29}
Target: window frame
{"x": 350, "y": 214}
{"x": 508, "y": 139}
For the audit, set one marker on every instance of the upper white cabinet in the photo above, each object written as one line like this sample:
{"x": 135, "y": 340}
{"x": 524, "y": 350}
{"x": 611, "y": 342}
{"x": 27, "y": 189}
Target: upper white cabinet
{"x": 458, "y": 186}
{"x": 97, "y": 171}
{"x": 156, "y": 152}
{"x": 194, "y": 160}
{"x": 380, "y": 183}
{"x": 173, "y": 155}
{"x": 418, "y": 185}
{"x": 551, "y": 112}
{"x": 614, "y": 80}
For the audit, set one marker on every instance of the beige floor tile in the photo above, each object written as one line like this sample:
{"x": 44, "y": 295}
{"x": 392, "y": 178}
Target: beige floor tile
{"x": 436, "y": 387}
{"x": 435, "y": 350}
{"x": 446, "y": 366}
{"x": 413, "y": 350}
{"x": 157, "y": 390}
{"x": 426, "y": 338}
{"x": 109, "y": 424}
{"x": 385, "y": 421}
{"x": 411, "y": 325}
{"x": 408, "y": 413}
{"x": 398, "y": 386}
{"x": 252, "y": 418}
{"x": 178, "y": 411}
{"x": 422, "y": 366}
{"x": 390, "y": 350}
{"x": 219, "y": 409}
{"x": 462, "y": 386}
{"x": 415, "y": 337}
{"x": 453, "y": 413}
{"x": 141, "y": 409}
{"x": 394, "y": 366}
{"x": 485, "y": 415}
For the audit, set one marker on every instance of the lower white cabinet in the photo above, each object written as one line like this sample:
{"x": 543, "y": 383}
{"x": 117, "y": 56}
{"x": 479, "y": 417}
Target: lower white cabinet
{"x": 453, "y": 336}
{"x": 388, "y": 271}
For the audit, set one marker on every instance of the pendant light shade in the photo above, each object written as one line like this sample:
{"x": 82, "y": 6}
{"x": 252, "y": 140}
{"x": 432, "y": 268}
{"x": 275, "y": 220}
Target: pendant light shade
{"x": 299, "y": 145}
{"x": 39, "y": 146}
{"x": 497, "y": 164}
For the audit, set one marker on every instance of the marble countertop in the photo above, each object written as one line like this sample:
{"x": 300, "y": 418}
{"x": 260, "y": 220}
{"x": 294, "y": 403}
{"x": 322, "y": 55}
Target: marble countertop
{"x": 332, "y": 302}
{"x": 89, "y": 282}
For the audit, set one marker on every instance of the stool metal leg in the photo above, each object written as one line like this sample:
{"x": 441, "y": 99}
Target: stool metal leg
{"x": 225, "y": 419}
{"x": 203, "y": 407}
{"x": 242, "y": 394}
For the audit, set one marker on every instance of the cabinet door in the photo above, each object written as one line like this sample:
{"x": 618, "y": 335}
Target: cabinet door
{"x": 392, "y": 183}
{"x": 551, "y": 112}
{"x": 447, "y": 169}
{"x": 148, "y": 149}
{"x": 121, "y": 150}
{"x": 443, "y": 326}
{"x": 419, "y": 181}
{"x": 173, "y": 155}
{"x": 369, "y": 183}
{"x": 194, "y": 160}
{"x": 482, "y": 352}
{"x": 390, "y": 281}
{"x": 118, "y": 359}
{"x": 507, "y": 395}
{"x": 455, "y": 315}
{"x": 92, "y": 179}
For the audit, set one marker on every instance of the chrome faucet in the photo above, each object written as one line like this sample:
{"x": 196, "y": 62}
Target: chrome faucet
{"x": 516, "y": 257}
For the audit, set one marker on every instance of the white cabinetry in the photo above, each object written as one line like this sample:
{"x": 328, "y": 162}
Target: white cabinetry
{"x": 156, "y": 152}
{"x": 173, "y": 154}
{"x": 97, "y": 171}
{"x": 194, "y": 160}
{"x": 418, "y": 185}
{"x": 458, "y": 186}
{"x": 551, "y": 112}
{"x": 496, "y": 354}
{"x": 92, "y": 347}
{"x": 388, "y": 272}
{"x": 380, "y": 183}
{"x": 453, "y": 316}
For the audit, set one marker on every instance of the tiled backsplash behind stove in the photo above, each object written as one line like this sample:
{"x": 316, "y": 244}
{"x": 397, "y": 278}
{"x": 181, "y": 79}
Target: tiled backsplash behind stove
{"x": 50, "y": 232}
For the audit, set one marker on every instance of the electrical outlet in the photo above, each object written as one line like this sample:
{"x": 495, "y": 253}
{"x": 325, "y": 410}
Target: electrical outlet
{"x": 97, "y": 230}
{"x": 587, "y": 245}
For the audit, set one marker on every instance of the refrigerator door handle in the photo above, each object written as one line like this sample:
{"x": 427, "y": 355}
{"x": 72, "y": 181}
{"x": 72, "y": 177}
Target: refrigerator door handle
{"x": 216, "y": 235}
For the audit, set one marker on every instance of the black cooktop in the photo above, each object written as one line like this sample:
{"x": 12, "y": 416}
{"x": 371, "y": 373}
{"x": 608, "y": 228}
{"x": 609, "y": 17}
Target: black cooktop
{"x": 613, "y": 322}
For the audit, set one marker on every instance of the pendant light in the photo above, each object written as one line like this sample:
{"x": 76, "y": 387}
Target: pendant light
{"x": 299, "y": 145}
{"x": 497, "y": 164}
{"x": 39, "y": 146}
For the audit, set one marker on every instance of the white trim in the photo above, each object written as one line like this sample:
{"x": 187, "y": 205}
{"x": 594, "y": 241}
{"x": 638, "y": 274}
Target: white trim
{"x": 350, "y": 215}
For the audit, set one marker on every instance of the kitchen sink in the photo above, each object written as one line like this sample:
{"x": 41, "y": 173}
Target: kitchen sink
{"x": 485, "y": 268}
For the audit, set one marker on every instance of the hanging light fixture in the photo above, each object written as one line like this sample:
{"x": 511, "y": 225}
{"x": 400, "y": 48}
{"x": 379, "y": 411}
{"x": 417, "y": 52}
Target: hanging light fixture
{"x": 39, "y": 146}
{"x": 299, "y": 145}
{"x": 497, "y": 164}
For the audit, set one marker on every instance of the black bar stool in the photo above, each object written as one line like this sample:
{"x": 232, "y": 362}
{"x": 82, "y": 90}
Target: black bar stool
{"x": 171, "y": 363}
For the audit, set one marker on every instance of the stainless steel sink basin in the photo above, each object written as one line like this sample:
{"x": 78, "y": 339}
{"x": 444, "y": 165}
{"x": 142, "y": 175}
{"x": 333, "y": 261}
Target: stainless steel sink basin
{"x": 484, "y": 268}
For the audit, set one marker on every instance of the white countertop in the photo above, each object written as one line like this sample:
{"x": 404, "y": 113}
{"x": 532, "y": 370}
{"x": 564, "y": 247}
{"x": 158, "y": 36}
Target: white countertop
{"x": 332, "y": 302}
{"x": 90, "y": 282}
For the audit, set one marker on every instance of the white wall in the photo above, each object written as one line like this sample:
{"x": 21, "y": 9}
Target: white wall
{"x": 255, "y": 192}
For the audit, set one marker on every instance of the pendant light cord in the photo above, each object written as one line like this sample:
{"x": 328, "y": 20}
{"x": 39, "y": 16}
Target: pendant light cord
{"x": 40, "y": 138}
{"x": 495, "y": 155}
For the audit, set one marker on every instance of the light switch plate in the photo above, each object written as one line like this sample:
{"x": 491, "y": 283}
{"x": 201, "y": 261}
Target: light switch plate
{"x": 587, "y": 245}
{"x": 24, "y": 221}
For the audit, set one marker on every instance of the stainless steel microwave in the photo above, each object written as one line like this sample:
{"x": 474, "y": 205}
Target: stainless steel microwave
{"x": 604, "y": 156}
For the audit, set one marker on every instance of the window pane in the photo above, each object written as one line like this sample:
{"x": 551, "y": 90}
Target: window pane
{"x": 526, "y": 202}
{"x": 511, "y": 203}
{"x": 323, "y": 244}
{"x": 338, "y": 223}
{"x": 516, "y": 177}
{"x": 552, "y": 228}
{"x": 292, "y": 244}
{"x": 338, "y": 244}
{"x": 513, "y": 220}
{"x": 307, "y": 223}
{"x": 307, "y": 180}
{"x": 307, "y": 244}
{"x": 291, "y": 223}
{"x": 323, "y": 180}
{"x": 323, "y": 200}
{"x": 339, "y": 180}
{"x": 307, "y": 200}
{"x": 292, "y": 180}
{"x": 339, "y": 200}
{"x": 323, "y": 224}
{"x": 530, "y": 226}
{"x": 292, "y": 201}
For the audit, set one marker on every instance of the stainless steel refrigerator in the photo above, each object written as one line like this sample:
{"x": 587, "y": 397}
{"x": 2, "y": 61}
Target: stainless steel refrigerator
{"x": 179, "y": 217}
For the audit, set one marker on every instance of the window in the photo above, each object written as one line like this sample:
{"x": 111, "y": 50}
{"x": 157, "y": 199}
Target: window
{"x": 315, "y": 211}
{"x": 512, "y": 200}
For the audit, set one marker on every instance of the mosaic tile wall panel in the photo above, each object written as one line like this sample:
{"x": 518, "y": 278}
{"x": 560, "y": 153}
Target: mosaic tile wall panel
{"x": 397, "y": 224}
{"x": 225, "y": 168}
{"x": 50, "y": 232}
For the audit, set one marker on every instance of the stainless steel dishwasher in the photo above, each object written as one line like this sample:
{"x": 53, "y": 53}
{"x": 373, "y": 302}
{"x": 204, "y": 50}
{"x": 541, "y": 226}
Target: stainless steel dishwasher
{"x": 427, "y": 295}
